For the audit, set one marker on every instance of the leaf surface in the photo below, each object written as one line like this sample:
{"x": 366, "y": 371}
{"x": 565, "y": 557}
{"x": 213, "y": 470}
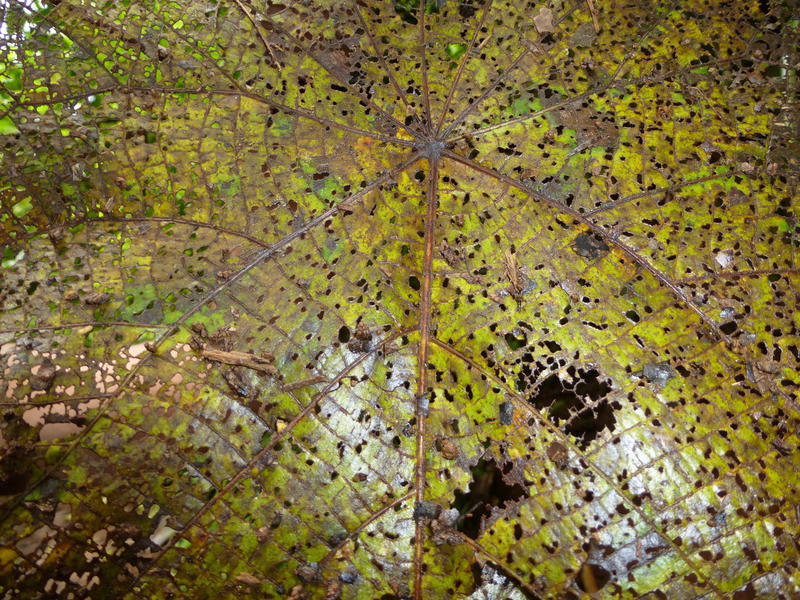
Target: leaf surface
{"x": 364, "y": 299}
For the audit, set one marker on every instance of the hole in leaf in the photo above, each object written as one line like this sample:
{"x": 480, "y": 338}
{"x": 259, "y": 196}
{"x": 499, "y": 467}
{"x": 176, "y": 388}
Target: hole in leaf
{"x": 515, "y": 342}
{"x": 488, "y": 489}
{"x": 632, "y": 315}
{"x": 592, "y": 577}
{"x": 578, "y": 403}
{"x": 344, "y": 334}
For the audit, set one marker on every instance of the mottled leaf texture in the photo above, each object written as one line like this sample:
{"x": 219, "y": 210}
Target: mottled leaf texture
{"x": 399, "y": 299}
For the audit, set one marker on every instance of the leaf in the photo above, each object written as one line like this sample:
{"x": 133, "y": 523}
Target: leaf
{"x": 7, "y": 126}
{"x": 398, "y": 299}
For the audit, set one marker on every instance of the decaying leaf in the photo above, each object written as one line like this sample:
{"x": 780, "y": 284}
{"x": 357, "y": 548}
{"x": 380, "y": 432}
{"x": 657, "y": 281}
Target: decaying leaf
{"x": 404, "y": 299}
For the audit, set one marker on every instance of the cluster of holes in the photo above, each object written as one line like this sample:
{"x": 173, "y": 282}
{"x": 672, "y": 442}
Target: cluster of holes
{"x": 488, "y": 489}
{"x": 577, "y": 400}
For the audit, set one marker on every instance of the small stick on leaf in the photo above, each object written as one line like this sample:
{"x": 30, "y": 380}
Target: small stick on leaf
{"x": 241, "y": 359}
{"x": 593, "y": 12}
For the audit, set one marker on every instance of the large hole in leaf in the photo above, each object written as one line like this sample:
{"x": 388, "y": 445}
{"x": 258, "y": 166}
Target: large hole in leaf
{"x": 578, "y": 403}
{"x": 592, "y": 577}
{"x": 488, "y": 489}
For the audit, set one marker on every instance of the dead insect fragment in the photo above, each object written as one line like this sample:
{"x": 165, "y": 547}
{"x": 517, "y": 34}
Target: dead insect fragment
{"x": 589, "y": 246}
{"x": 200, "y": 329}
{"x": 426, "y": 510}
{"x": 506, "y": 413}
{"x": 658, "y": 373}
{"x": 236, "y": 381}
{"x": 558, "y": 453}
{"x": 309, "y": 572}
{"x": 97, "y": 299}
{"x": 42, "y": 375}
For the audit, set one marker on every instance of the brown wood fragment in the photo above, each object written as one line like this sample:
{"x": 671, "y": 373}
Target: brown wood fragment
{"x": 334, "y": 590}
{"x": 240, "y": 359}
{"x": 247, "y": 578}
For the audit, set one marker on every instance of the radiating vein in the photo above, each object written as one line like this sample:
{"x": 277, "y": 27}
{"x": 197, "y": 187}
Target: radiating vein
{"x": 422, "y": 364}
{"x": 464, "y": 59}
{"x": 632, "y": 254}
{"x": 381, "y": 59}
{"x": 567, "y": 441}
{"x": 264, "y": 453}
{"x": 259, "y": 257}
{"x": 321, "y": 63}
{"x": 352, "y": 535}
{"x": 426, "y": 96}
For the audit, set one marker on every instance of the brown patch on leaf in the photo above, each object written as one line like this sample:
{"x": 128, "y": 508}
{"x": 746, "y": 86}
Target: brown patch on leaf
{"x": 309, "y": 572}
{"x": 449, "y": 449}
